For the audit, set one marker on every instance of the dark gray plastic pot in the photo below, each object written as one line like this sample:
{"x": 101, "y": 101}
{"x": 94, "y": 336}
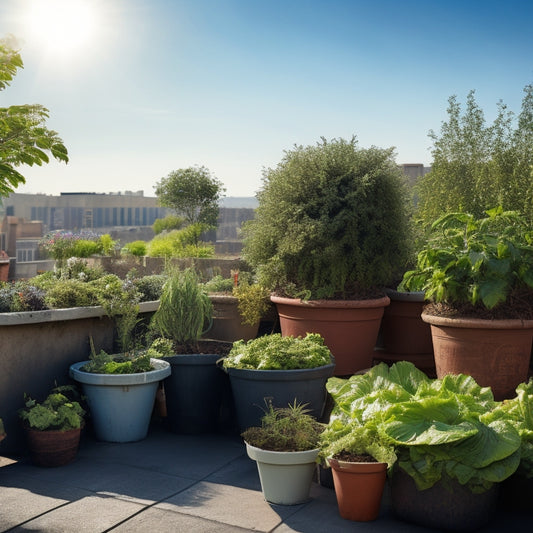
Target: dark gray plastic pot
{"x": 194, "y": 392}
{"x": 252, "y": 387}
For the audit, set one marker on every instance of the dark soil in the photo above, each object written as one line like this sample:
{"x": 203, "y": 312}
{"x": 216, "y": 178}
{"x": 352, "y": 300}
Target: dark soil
{"x": 354, "y": 458}
{"x": 205, "y": 347}
{"x": 518, "y": 306}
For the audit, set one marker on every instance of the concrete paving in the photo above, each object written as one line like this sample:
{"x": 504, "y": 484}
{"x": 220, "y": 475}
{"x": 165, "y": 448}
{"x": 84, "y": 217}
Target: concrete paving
{"x": 174, "y": 483}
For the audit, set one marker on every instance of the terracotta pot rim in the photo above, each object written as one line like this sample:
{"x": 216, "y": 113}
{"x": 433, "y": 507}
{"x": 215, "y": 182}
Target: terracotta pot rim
{"x": 333, "y": 304}
{"x": 347, "y": 466}
{"x": 476, "y": 323}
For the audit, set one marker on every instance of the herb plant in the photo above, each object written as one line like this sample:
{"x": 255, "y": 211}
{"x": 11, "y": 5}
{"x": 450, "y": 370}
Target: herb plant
{"x": 285, "y": 429}
{"x": 480, "y": 262}
{"x": 274, "y": 352}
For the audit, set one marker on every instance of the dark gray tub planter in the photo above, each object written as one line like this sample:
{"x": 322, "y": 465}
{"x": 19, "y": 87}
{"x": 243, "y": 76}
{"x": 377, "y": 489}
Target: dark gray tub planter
{"x": 194, "y": 393}
{"x": 252, "y": 387}
{"x": 121, "y": 404}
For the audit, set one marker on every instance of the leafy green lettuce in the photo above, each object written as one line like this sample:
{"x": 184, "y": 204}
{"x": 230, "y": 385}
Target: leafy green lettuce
{"x": 440, "y": 428}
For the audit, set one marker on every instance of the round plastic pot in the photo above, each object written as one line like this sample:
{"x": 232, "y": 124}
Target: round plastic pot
{"x": 252, "y": 389}
{"x": 359, "y": 488}
{"x": 120, "y": 404}
{"x": 194, "y": 392}
{"x": 285, "y": 477}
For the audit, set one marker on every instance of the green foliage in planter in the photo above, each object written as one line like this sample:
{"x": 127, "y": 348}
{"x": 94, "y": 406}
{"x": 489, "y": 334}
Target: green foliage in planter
{"x": 481, "y": 262}
{"x": 181, "y": 243}
{"x": 332, "y": 222}
{"x": 274, "y": 352}
{"x": 66, "y": 293}
{"x": 151, "y": 286}
{"x": 86, "y": 248}
{"x": 252, "y": 302}
{"x": 437, "y": 427}
{"x": 285, "y": 429}
{"x": 169, "y": 223}
{"x": 219, "y": 284}
{"x": 56, "y": 412}
{"x": 135, "y": 248}
{"x": 21, "y": 295}
{"x": 185, "y": 310}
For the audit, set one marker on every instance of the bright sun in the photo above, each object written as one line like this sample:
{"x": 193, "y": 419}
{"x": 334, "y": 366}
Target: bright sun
{"x": 62, "y": 26}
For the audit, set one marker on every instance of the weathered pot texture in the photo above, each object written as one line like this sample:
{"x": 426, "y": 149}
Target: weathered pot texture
{"x": 496, "y": 353}
{"x": 52, "y": 448}
{"x": 121, "y": 404}
{"x": 286, "y": 477}
{"x": 227, "y": 321}
{"x": 359, "y": 488}
{"x": 349, "y": 327}
{"x": 252, "y": 388}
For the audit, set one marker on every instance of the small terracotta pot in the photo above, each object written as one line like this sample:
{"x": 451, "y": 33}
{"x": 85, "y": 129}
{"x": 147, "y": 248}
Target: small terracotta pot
{"x": 53, "y": 448}
{"x": 359, "y": 488}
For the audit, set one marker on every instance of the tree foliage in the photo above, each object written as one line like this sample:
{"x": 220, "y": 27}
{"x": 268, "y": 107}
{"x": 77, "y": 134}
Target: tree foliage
{"x": 24, "y": 137}
{"x": 193, "y": 192}
{"x": 477, "y": 166}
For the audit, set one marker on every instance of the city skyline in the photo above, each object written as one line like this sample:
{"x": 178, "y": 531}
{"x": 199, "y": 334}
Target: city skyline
{"x": 140, "y": 88}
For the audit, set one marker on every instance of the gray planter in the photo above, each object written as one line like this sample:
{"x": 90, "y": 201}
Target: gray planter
{"x": 121, "y": 404}
{"x": 252, "y": 387}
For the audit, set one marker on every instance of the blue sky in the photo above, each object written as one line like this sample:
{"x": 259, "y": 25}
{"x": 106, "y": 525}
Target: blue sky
{"x": 159, "y": 85}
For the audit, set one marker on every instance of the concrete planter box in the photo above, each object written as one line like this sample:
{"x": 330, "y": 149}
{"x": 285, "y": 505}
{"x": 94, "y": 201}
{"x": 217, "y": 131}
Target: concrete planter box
{"x": 37, "y": 349}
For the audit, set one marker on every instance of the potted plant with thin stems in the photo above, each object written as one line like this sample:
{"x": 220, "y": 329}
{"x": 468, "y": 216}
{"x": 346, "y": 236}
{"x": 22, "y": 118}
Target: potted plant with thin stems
{"x": 121, "y": 387}
{"x": 477, "y": 275}
{"x": 331, "y": 231}
{"x": 285, "y": 448}
{"x": 196, "y": 387}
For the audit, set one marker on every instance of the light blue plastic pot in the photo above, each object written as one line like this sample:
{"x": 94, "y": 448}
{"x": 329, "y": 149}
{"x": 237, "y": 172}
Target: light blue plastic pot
{"x": 121, "y": 404}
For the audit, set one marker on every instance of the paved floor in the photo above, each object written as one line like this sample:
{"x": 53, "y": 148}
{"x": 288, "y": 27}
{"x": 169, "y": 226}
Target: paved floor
{"x": 174, "y": 483}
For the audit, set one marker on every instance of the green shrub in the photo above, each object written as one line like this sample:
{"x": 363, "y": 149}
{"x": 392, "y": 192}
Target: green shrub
{"x": 150, "y": 287}
{"x": 333, "y": 221}
{"x": 169, "y": 223}
{"x": 66, "y": 293}
{"x": 86, "y": 248}
{"x": 135, "y": 248}
{"x": 107, "y": 244}
{"x": 180, "y": 243}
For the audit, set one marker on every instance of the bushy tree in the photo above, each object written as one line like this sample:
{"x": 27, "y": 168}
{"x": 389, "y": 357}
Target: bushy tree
{"x": 477, "y": 166}
{"x": 193, "y": 192}
{"x": 24, "y": 138}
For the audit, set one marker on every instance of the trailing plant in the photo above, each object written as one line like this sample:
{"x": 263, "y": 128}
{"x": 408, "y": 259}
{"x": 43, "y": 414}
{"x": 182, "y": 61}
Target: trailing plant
{"x": 285, "y": 429}
{"x": 439, "y": 428}
{"x": 274, "y": 352}
{"x": 56, "y": 412}
{"x": 333, "y": 221}
{"x": 478, "y": 264}
{"x": 185, "y": 311}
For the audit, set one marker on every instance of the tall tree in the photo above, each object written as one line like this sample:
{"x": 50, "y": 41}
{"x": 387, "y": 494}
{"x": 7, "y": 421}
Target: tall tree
{"x": 193, "y": 192}
{"x": 24, "y": 137}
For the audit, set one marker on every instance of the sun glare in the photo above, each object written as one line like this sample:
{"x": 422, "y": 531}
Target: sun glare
{"x": 62, "y": 26}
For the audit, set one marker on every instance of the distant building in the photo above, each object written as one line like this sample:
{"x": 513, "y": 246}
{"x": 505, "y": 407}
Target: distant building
{"x": 414, "y": 171}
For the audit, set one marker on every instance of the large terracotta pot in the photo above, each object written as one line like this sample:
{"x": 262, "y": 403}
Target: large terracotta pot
{"x": 496, "y": 353}
{"x": 359, "y": 488}
{"x": 350, "y": 327}
{"x": 53, "y": 447}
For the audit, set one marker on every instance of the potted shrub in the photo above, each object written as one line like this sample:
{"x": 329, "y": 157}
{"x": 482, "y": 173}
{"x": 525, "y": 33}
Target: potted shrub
{"x": 330, "y": 233}
{"x": 282, "y": 369}
{"x": 238, "y": 306}
{"x": 53, "y": 427}
{"x": 120, "y": 388}
{"x": 478, "y": 277}
{"x": 454, "y": 447}
{"x": 195, "y": 389}
{"x": 285, "y": 448}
